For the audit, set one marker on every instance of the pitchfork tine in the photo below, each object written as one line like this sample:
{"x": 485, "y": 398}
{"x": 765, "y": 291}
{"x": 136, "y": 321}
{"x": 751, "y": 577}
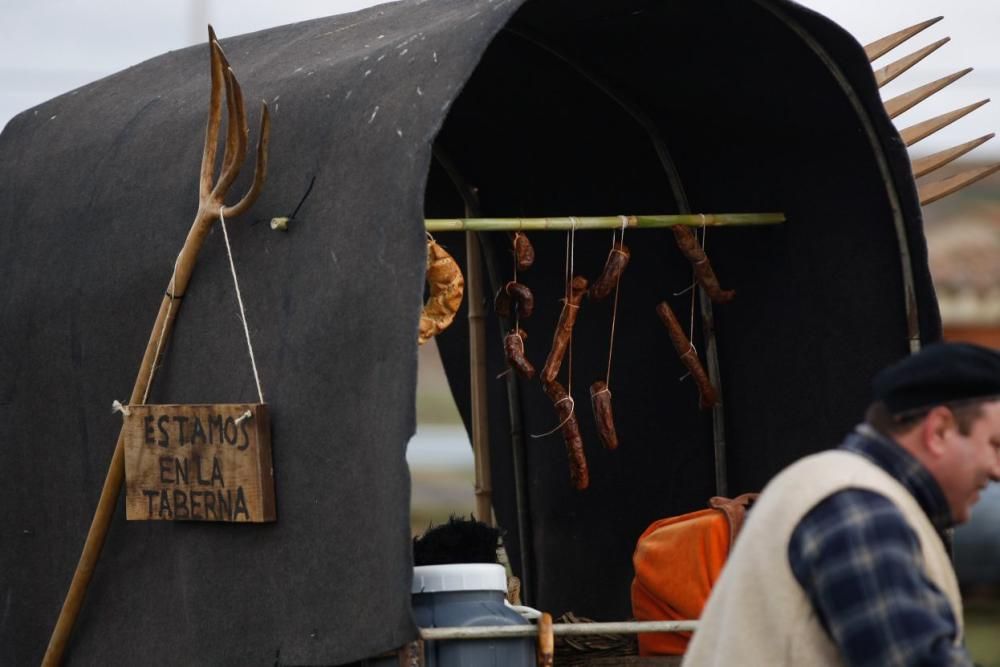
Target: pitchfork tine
{"x": 260, "y": 169}
{"x": 236, "y": 136}
{"x": 214, "y": 119}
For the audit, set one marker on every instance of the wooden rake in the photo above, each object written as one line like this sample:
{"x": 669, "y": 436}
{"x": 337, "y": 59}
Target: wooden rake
{"x": 928, "y": 192}
{"x": 211, "y": 207}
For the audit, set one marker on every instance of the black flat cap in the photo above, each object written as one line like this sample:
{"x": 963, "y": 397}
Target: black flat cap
{"x": 940, "y": 373}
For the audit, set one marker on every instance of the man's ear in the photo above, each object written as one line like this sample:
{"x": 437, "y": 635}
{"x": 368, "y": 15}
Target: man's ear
{"x": 938, "y": 423}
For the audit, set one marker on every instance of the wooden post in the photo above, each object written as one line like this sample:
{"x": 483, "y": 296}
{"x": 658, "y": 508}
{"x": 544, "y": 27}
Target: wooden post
{"x": 477, "y": 378}
{"x": 477, "y": 345}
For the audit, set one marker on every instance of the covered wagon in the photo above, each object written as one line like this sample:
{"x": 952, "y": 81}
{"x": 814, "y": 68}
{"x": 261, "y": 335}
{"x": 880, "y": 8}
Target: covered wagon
{"x": 554, "y": 113}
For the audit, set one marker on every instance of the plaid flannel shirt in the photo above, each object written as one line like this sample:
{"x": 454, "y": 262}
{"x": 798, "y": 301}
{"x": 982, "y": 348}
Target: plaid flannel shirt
{"x": 860, "y": 564}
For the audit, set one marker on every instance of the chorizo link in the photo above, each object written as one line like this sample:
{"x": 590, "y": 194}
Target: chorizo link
{"x": 564, "y": 329}
{"x": 703, "y": 271}
{"x": 708, "y": 397}
{"x": 612, "y": 273}
{"x": 513, "y": 345}
{"x": 503, "y": 305}
{"x": 570, "y": 429}
{"x": 524, "y": 252}
{"x": 514, "y": 295}
{"x": 600, "y": 401}
{"x": 522, "y": 298}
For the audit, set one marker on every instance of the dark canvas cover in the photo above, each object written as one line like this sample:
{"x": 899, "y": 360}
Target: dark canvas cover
{"x": 557, "y": 108}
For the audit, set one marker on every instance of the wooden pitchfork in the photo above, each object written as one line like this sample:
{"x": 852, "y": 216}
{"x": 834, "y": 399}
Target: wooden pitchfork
{"x": 210, "y": 207}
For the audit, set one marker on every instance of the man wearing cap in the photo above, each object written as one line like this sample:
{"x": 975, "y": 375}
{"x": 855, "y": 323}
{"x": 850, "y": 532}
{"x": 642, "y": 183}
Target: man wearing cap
{"x": 842, "y": 559}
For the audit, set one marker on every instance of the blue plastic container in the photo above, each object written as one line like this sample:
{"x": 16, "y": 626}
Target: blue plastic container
{"x": 463, "y": 595}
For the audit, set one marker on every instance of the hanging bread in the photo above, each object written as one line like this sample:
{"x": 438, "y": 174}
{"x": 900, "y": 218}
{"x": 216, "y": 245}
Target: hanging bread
{"x": 444, "y": 278}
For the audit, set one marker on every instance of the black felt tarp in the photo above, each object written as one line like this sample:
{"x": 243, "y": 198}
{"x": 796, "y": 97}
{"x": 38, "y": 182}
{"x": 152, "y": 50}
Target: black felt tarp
{"x": 758, "y": 106}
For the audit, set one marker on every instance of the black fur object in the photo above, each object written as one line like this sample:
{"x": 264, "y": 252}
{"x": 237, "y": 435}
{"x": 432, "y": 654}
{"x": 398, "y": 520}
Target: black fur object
{"x": 460, "y": 540}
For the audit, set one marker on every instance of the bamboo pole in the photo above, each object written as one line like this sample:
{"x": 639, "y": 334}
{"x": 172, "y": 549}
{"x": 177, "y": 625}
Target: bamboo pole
{"x": 558, "y": 629}
{"x": 477, "y": 377}
{"x": 601, "y": 222}
{"x": 477, "y": 346}
{"x": 210, "y": 207}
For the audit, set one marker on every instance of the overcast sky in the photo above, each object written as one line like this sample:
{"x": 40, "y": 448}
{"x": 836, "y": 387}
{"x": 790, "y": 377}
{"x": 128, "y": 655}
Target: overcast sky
{"x": 48, "y": 47}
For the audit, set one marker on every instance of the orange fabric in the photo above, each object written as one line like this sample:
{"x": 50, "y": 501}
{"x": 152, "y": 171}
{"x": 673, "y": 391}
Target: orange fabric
{"x": 677, "y": 561}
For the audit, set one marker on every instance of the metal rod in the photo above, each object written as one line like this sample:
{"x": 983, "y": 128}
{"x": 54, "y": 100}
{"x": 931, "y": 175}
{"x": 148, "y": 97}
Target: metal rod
{"x": 601, "y": 222}
{"x": 866, "y": 122}
{"x": 563, "y": 629}
{"x": 518, "y": 454}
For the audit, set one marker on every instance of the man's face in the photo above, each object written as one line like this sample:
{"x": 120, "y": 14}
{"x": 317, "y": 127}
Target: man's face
{"x": 970, "y": 461}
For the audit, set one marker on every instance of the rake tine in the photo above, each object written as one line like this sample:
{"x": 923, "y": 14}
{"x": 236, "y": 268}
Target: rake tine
{"x": 915, "y": 133}
{"x": 260, "y": 169}
{"x": 214, "y": 119}
{"x": 931, "y": 192}
{"x": 926, "y": 165}
{"x": 894, "y": 69}
{"x": 910, "y": 99}
{"x": 236, "y": 137}
{"x": 882, "y": 46}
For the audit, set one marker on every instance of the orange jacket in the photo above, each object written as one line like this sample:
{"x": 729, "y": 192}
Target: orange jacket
{"x": 677, "y": 561}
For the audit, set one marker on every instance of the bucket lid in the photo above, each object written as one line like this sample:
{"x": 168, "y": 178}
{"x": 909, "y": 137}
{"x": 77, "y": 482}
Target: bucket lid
{"x": 459, "y": 577}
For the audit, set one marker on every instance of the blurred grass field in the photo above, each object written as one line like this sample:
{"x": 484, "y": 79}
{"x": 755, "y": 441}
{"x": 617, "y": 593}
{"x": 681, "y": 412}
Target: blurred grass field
{"x": 437, "y": 491}
{"x": 982, "y": 627}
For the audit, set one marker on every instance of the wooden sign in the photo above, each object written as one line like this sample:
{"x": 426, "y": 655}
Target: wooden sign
{"x": 198, "y": 463}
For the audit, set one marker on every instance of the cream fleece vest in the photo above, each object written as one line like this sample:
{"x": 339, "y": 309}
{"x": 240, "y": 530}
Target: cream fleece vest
{"x": 758, "y": 613}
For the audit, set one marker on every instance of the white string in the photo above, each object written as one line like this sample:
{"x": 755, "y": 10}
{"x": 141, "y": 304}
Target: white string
{"x": 239, "y": 300}
{"x": 514, "y": 253}
{"x": 614, "y": 310}
{"x": 569, "y": 292}
{"x": 704, "y": 236}
{"x": 116, "y": 406}
{"x": 572, "y": 409}
{"x": 694, "y": 283}
{"x": 572, "y": 253}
